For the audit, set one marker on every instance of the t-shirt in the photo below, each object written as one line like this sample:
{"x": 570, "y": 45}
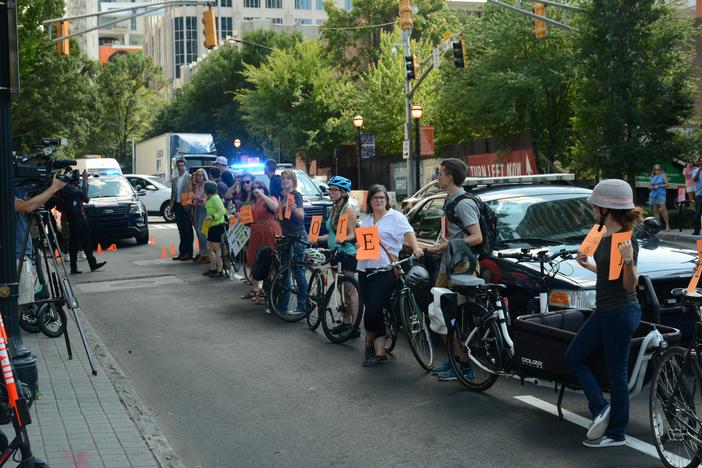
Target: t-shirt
{"x": 392, "y": 229}
{"x": 227, "y": 178}
{"x": 293, "y": 226}
{"x": 215, "y": 208}
{"x": 21, "y": 227}
{"x": 467, "y": 212}
{"x": 275, "y": 187}
{"x": 611, "y": 294}
{"x": 346, "y": 247}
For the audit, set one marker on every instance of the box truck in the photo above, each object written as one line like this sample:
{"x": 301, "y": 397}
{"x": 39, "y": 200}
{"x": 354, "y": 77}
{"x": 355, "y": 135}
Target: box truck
{"x": 158, "y": 155}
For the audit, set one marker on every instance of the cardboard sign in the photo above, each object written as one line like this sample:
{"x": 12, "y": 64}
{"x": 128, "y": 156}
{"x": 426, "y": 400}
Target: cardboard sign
{"x": 592, "y": 240}
{"x": 237, "y": 236}
{"x": 246, "y": 214}
{"x": 699, "y": 249}
{"x": 315, "y": 228}
{"x": 186, "y": 198}
{"x": 681, "y": 194}
{"x": 695, "y": 279}
{"x": 288, "y": 205}
{"x": 342, "y": 228}
{"x": 368, "y": 241}
{"x": 615, "y": 261}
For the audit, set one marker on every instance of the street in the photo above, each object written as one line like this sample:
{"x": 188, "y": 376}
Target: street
{"x": 232, "y": 386}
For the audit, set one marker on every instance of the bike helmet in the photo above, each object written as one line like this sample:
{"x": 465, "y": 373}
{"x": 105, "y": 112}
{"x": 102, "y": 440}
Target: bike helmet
{"x": 210, "y": 188}
{"x": 314, "y": 257}
{"x": 614, "y": 194}
{"x": 342, "y": 182}
{"x": 418, "y": 276}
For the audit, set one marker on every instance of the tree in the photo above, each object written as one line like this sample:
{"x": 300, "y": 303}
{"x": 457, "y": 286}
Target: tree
{"x": 636, "y": 85}
{"x": 128, "y": 100}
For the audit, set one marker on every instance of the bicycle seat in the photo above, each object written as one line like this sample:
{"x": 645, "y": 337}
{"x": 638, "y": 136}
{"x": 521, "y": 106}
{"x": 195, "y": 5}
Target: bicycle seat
{"x": 466, "y": 281}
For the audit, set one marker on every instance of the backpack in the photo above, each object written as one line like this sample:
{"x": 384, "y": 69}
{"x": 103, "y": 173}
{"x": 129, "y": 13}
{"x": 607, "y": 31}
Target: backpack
{"x": 487, "y": 221}
{"x": 262, "y": 264}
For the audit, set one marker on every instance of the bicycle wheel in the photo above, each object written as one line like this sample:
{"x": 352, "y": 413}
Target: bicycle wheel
{"x": 341, "y": 315}
{"x": 284, "y": 283}
{"x": 28, "y": 319}
{"x": 674, "y": 398}
{"x": 229, "y": 266}
{"x": 482, "y": 341}
{"x": 390, "y": 330}
{"x": 417, "y": 331}
{"x": 52, "y": 320}
{"x": 315, "y": 298}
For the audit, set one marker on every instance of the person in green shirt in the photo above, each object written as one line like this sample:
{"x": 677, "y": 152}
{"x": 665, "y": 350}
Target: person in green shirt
{"x": 215, "y": 218}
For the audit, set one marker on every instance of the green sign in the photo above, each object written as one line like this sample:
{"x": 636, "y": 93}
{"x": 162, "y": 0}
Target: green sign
{"x": 675, "y": 177}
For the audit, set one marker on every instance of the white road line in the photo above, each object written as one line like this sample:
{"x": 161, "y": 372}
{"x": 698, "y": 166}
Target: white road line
{"x": 162, "y": 226}
{"x": 631, "y": 442}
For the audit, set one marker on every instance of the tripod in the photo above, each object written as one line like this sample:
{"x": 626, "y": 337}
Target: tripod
{"x": 61, "y": 291}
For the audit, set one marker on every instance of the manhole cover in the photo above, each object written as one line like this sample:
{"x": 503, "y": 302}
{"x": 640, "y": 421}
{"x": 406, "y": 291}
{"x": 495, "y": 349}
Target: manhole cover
{"x": 136, "y": 283}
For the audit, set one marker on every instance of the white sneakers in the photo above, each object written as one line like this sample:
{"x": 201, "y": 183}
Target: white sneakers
{"x": 603, "y": 442}
{"x": 599, "y": 425}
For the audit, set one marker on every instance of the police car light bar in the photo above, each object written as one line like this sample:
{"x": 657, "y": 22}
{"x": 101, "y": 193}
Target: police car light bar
{"x": 530, "y": 179}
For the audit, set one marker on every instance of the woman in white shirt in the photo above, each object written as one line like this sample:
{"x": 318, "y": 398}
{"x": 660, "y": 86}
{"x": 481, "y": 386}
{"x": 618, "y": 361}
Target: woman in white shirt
{"x": 376, "y": 289}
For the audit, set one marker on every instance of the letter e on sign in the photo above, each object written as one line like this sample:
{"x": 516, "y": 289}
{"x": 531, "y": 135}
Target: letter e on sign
{"x": 368, "y": 243}
{"x": 342, "y": 228}
{"x": 315, "y": 227}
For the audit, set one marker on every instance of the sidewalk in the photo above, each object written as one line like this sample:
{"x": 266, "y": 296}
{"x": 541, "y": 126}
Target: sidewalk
{"x": 675, "y": 235}
{"x": 80, "y": 420}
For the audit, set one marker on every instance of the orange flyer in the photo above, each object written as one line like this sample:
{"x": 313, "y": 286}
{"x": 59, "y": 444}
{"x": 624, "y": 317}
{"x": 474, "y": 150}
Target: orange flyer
{"x": 315, "y": 228}
{"x": 368, "y": 241}
{"x": 592, "y": 240}
{"x": 699, "y": 249}
{"x": 186, "y": 198}
{"x": 246, "y": 214}
{"x": 615, "y": 257}
{"x": 695, "y": 279}
{"x": 288, "y": 205}
{"x": 342, "y": 228}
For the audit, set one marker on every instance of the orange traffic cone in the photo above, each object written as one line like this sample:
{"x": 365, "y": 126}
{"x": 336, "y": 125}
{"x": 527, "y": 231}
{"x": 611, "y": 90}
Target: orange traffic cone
{"x": 99, "y": 249}
{"x": 152, "y": 240}
{"x": 173, "y": 250}
{"x": 56, "y": 254}
{"x": 164, "y": 253}
{"x": 112, "y": 248}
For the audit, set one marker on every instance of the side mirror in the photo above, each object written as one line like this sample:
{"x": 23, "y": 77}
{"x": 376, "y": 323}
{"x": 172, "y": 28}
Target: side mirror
{"x": 141, "y": 192}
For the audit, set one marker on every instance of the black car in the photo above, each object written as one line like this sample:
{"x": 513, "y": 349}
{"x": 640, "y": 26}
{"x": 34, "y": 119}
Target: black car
{"x": 114, "y": 211}
{"x": 555, "y": 217}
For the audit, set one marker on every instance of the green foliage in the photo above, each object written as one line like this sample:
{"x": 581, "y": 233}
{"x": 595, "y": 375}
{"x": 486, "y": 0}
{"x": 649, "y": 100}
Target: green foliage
{"x": 635, "y": 85}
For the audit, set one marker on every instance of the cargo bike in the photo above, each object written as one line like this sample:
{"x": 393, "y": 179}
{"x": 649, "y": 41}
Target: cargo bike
{"x": 534, "y": 347}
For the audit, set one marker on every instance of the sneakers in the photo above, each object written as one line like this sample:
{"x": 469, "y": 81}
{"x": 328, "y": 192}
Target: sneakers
{"x": 443, "y": 367}
{"x": 599, "y": 425}
{"x": 450, "y": 375}
{"x": 376, "y": 360}
{"x": 296, "y": 312}
{"x": 603, "y": 442}
{"x": 339, "y": 329}
{"x": 370, "y": 352}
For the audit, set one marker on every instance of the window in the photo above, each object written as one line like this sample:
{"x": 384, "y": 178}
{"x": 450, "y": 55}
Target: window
{"x": 225, "y": 3}
{"x": 185, "y": 30}
{"x": 427, "y": 220}
{"x": 276, "y": 20}
{"x": 303, "y": 21}
{"x": 252, "y": 3}
{"x": 348, "y": 4}
{"x": 274, "y": 3}
{"x": 320, "y": 4}
{"x": 250, "y": 18}
{"x": 225, "y": 27}
{"x": 320, "y": 21}
{"x": 303, "y": 4}
{"x": 133, "y": 24}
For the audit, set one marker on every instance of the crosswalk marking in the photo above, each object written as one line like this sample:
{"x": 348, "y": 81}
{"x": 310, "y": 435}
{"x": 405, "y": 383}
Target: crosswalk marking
{"x": 163, "y": 226}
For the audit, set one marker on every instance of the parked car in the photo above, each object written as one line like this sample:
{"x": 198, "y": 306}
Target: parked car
{"x": 156, "y": 197}
{"x": 432, "y": 188}
{"x": 115, "y": 211}
{"x": 553, "y": 217}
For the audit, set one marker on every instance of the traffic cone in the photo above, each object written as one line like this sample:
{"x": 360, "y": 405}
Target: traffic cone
{"x": 112, "y": 248}
{"x": 164, "y": 253}
{"x": 56, "y": 254}
{"x": 99, "y": 249}
{"x": 152, "y": 240}
{"x": 173, "y": 250}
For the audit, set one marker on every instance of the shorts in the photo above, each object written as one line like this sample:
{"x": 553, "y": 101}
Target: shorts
{"x": 656, "y": 198}
{"x": 214, "y": 234}
{"x": 348, "y": 262}
{"x": 26, "y": 282}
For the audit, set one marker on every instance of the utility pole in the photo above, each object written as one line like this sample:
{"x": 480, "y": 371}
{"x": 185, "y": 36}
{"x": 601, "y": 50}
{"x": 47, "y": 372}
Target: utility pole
{"x": 407, "y": 24}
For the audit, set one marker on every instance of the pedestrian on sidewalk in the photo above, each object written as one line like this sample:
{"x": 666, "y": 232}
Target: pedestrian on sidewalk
{"x": 698, "y": 196}
{"x": 688, "y": 172}
{"x": 181, "y": 185}
{"x": 658, "y": 194}
{"x": 199, "y": 213}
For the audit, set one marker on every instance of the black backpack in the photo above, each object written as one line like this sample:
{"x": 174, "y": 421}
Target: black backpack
{"x": 487, "y": 221}
{"x": 262, "y": 264}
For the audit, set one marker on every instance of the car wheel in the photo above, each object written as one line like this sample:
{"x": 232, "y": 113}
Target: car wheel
{"x": 167, "y": 213}
{"x": 143, "y": 239}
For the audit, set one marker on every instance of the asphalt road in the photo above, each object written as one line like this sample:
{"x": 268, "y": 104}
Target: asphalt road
{"x": 231, "y": 386}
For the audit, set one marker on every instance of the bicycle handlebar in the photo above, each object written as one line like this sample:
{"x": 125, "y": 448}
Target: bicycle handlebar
{"x": 392, "y": 265}
{"x": 526, "y": 256}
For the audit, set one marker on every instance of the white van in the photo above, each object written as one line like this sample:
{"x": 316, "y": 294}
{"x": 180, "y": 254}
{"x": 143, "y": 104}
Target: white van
{"x": 98, "y": 165}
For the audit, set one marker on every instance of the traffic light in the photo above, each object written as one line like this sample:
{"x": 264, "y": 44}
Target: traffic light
{"x": 406, "y": 15}
{"x": 539, "y": 25}
{"x": 460, "y": 58}
{"x": 412, "y": 67}
{"x": 61, "y": 29}
{"x": 209, "y": 28}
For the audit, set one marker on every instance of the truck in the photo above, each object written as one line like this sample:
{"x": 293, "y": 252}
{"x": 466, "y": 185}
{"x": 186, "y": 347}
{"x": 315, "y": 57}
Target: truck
{"x": 158, "y": 155}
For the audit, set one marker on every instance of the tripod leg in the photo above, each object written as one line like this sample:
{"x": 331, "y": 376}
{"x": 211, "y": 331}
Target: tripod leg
{"x": 64, "y": 327}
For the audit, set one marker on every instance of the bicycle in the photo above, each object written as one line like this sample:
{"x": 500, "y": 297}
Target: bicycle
{"x": 329, "y": 304}
{"x": 281, "y": 281}
{"x": 676, "y": 395}
{"x": 413, "y": 319}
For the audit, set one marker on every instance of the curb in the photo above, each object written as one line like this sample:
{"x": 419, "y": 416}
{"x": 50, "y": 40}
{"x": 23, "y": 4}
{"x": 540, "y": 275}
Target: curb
{"x": 165, "y": 456}
{"x": 678, "y": 237}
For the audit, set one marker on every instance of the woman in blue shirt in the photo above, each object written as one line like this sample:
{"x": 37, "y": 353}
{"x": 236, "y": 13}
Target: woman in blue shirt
{"x": 657, "y": 197}
{"x": 339, "y": 188}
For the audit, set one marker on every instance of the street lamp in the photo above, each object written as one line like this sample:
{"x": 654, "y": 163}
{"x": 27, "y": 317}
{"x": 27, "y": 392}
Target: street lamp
{"x": 358, "y": 123}
{"x": 237, "y": 144}
{"x": 416, "y": 115}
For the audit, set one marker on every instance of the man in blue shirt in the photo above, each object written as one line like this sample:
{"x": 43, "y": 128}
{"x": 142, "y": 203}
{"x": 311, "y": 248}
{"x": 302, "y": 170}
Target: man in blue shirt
{"x": 697, "y": 178}
{"x": 274, "y": 186}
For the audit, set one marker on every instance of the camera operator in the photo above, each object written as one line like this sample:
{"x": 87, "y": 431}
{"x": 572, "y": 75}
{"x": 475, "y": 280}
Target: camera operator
{"x": 22, "y": 251}
{"x": 72, "y": 203}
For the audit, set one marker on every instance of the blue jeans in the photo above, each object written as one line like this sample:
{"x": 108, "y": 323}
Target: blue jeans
{"x": 298, "y": 251}
{"x": 610, "y": 330}
{"x": 200, "y": 214}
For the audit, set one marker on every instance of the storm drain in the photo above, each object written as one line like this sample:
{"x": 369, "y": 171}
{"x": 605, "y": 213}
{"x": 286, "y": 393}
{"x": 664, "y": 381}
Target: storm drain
{"x": 136, "y": 283}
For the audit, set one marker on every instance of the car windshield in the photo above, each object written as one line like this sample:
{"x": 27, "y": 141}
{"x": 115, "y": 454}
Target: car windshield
{"x": 554, "y": 218}
{"x": 158, "y": 180}
{"x": 101, "y": 188}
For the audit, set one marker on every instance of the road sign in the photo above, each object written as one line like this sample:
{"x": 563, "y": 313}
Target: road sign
{"x": 436, "y": 57}
{"x": 405, "y": 149}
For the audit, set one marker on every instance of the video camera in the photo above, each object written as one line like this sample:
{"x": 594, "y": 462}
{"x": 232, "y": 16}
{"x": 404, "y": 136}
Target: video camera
{"x": 34, "y": 173}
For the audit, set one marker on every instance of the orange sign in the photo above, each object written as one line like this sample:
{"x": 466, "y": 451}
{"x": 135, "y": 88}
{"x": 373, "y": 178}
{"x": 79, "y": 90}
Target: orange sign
{"x": 368, "y": 240}
{"x": 315, "y": 228}
{"x": 280, "y": 209}
{"x": 232, "y": 221}
{"x": 592, "y": 240}
{"x": 288, "y": 205}
{"x": 699, "y": 250}
{"x": 342, "y": 228}
{"x": 246, "y": 214}
{"x": 186, "y": 198}
{"x": 615, "y": 257}
{"x": 695, "y": 279}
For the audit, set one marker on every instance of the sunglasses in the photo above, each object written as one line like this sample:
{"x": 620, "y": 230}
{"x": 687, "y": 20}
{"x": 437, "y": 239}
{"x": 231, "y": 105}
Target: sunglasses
{"x": 245, "y": 181}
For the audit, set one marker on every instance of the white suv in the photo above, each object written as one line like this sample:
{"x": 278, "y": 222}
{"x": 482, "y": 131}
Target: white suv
{"x": 155, "y": 193}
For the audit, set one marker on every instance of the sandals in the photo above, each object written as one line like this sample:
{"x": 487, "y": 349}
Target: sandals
{"x": 250, "y": 295}
{"x": 260, "y": 300}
